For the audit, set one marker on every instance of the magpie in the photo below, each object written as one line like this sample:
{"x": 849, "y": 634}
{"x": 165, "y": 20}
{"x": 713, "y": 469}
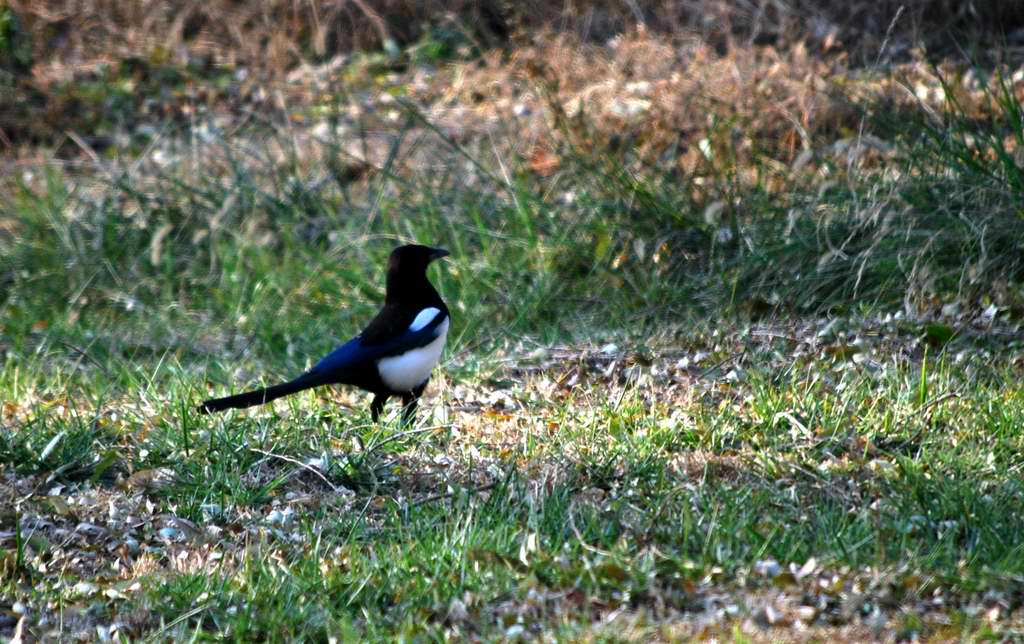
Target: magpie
{"x": 393, "y": 356}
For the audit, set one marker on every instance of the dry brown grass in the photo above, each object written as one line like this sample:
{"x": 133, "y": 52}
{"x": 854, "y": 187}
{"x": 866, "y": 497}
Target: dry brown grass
{"x": 748, "y": 79}
{"x": 753, "y": 115}
{"x": 275, "y": 36}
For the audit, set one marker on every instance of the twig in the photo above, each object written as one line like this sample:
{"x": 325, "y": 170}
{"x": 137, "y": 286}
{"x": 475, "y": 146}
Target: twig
{"x": 583, "y": 542}
{"x": 721, "y": 362}
{"x": 85, "y": 354}
{"x": 304, "y": 466}
{"x": 387, "y": 42}
{"x": 179, "y": 619}
{"x": 934, "y": 401}
{"x": 923, "y": 409}
{"x": 89, "y": 151}
{"x": 444, "y": 495}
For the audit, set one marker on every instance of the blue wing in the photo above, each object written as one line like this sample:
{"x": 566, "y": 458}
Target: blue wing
{"x": 355, "y": 352}
{"x": 347, "y": 355}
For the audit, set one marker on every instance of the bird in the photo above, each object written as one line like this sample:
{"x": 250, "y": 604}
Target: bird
{"x": 393, "y": 356}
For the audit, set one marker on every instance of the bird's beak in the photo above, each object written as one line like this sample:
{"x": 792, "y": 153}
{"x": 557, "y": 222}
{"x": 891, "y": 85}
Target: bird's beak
{"x": 438, "y": 253}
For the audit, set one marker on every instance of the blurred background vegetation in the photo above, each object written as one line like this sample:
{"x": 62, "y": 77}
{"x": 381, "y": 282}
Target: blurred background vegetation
{"x": 46, "y": 45}
{"x": 605, "y": 161}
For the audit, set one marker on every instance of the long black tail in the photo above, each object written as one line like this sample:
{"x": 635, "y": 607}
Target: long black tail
{"x": 261, "y": 396}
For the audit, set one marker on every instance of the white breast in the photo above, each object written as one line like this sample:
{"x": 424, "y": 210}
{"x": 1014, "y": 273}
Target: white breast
{"x": 411, "y": 369}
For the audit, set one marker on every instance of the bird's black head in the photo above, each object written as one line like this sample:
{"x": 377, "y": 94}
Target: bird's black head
{"x": 413, "y": 258}
{"x": 407, "y": 272}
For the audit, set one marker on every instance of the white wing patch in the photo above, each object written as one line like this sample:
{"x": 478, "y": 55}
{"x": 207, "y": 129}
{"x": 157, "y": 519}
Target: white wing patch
{"x": 411, "y": 369}
{"x": 423, "y": 318}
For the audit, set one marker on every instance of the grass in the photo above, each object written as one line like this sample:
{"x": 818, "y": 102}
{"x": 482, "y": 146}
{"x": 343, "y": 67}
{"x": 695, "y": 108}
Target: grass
{"x": 603, "y": 497}
{"x": 662, "y": 413}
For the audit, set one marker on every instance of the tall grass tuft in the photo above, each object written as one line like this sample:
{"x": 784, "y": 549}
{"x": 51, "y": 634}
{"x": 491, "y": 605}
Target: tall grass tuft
{"x": 939, "y": 220}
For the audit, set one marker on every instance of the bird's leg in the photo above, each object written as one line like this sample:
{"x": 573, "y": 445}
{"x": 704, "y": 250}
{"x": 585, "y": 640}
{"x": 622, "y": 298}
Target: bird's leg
{"x": 377, "y": 406}
{"x": 410, "y": 402}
